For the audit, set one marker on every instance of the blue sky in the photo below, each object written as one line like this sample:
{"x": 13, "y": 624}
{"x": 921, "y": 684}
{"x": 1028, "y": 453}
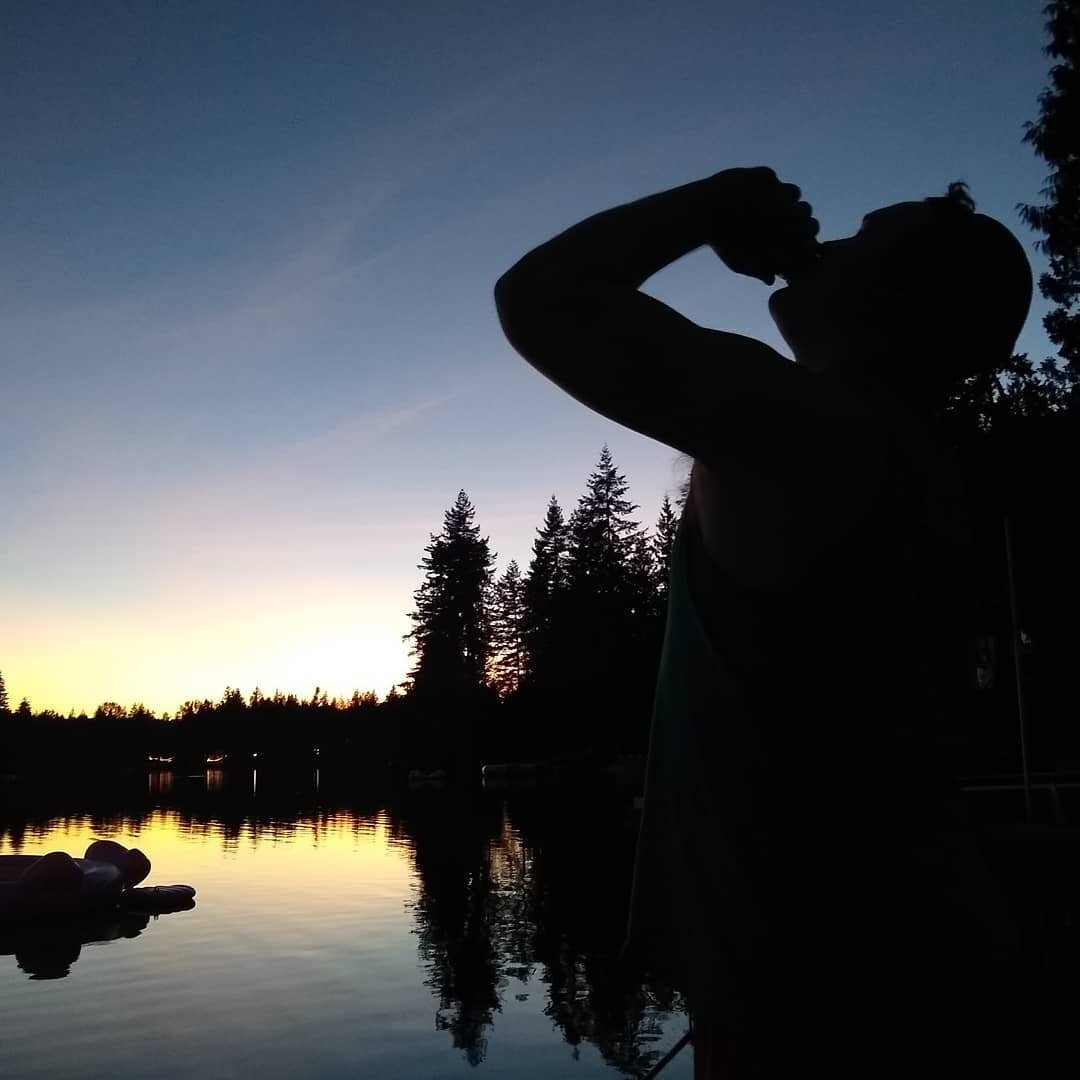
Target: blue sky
{"x": 249, "y": 352}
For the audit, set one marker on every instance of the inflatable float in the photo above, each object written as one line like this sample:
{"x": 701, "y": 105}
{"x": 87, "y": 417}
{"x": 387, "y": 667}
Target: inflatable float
{"x": 107, "y": 876}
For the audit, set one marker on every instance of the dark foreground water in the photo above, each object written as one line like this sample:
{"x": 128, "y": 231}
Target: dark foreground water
{"x": 337, "y": 933}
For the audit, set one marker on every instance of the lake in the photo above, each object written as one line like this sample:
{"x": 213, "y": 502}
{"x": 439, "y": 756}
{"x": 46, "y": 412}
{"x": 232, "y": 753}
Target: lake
{"x": 340, "y": 929}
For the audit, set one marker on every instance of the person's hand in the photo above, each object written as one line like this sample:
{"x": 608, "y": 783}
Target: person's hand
{"x": 762, "y": 226}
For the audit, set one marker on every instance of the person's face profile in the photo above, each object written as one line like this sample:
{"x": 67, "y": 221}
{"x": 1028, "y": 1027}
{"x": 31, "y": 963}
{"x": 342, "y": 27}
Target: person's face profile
{"x": 861, "y": 288}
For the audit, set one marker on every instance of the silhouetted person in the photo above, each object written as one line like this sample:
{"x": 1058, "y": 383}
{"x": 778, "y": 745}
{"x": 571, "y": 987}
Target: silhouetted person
{"x": 804, "y": 872}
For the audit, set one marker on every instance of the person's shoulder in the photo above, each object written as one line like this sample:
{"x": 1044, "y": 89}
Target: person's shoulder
{"x": 777, "y": 418}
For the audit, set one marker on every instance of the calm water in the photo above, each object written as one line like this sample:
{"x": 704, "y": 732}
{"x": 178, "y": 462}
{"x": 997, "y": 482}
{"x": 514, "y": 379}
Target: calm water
{"x": 337, "y": 933}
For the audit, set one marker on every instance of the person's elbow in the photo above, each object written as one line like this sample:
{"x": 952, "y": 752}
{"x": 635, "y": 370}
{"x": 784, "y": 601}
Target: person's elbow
{"x": 516, "y": 290}
{"x": 520, "y": 305}
{"x": 504, "y": 297}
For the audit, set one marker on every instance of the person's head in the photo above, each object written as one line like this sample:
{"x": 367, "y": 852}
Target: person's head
{"x": 923, "y": 295}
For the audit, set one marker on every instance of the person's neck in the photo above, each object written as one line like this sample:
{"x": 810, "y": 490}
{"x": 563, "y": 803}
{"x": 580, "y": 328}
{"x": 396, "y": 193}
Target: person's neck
{"x": 883, "y": 394}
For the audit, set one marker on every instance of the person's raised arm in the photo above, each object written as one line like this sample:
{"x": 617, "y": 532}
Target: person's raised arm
{"x": 572, "y": 307}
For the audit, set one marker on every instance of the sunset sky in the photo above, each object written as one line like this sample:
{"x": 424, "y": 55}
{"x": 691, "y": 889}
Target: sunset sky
{"x": 249, "y": 353}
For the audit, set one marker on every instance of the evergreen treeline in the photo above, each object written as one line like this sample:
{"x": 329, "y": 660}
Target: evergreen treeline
{"x": 281, "y": 728}
{"x": 558, "y": 661}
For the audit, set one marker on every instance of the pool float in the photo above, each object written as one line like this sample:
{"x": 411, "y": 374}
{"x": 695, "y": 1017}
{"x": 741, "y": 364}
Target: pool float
{"x": 107, "y": 876}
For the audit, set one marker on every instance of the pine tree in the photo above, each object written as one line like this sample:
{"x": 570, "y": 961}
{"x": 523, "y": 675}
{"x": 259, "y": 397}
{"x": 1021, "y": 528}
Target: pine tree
{"x": 667, "y": 524}
{"x": 544, "y": 586}
{"x": 641, "y": 574}
{"x": 5, "y": 705}
{"x": 599, "y": 626}
{"x": 451, "y": 634}
{"x": 1056, "y": 139}
{"x": 602, "y": 534}
{"x": 508, "y": 657}
{"x": 647, "y": 573}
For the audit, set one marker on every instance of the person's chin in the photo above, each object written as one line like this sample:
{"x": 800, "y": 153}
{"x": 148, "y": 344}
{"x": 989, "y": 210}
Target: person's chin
{"x": 781, "y": 307}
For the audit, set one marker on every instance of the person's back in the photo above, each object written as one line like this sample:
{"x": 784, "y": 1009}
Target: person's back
{"x": 802, "y": 862}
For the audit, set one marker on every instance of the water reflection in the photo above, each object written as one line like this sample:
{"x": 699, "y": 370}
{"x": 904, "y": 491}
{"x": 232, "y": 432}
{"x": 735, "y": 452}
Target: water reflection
{"x": 159, "y": 781}
{"x": 512, "y": 896}
{"x": 509, "y": 890}
{"x": 47, "y": 950}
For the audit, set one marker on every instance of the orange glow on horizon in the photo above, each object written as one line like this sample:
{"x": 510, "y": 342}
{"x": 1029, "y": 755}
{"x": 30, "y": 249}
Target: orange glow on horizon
{"x": 162, "y": 658}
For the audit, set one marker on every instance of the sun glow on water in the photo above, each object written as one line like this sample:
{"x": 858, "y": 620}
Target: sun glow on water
{"x": 328, "y": 850}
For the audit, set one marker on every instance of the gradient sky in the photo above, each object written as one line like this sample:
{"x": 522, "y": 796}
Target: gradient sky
{"x": 248, "y": 351}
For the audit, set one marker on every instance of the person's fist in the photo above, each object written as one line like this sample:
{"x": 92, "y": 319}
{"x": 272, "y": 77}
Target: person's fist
{"x": 763, "y": 228}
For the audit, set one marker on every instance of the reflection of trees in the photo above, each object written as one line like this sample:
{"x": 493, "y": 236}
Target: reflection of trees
{"x": 538, "y": 888}
{"x": 504, "y": 895}
{"x": 225, "y": 808}
{"x": 582, "y": 872}
{"x": 459, "y": 916}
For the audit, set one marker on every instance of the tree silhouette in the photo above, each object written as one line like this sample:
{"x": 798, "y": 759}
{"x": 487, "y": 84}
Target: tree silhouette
{"x": 451, "y": 634}
{"x": 1056, "y": 139}
{"x": 599, "y": 626}
{"x": 602, "y": 535}
{"x": 552, "y": 662}
{"x": 7, "y": 735}
{"x": 544, "y": 588}
{"x": 593, "y": 622}
{"x": 992, "y": 401}
{"x": 641, "y": 574}
{"x": 508, "y": 660}
{"x": 667, "y": 524}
